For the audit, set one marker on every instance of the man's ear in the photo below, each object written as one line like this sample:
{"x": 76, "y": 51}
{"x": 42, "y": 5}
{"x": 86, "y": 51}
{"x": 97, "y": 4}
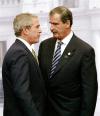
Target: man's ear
{"x": 25, "y": 31}
{"x": 67, "y": 23}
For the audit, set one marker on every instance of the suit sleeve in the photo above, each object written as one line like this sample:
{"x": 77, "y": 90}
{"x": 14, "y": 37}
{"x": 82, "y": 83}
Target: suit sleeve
{"x": 20, "y": 80}
{"x": 89, "y": 84}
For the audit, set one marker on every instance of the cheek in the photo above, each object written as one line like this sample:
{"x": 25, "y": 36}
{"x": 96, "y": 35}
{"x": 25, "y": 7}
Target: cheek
{"x": 33, "y": 33}
{"x": 60, "y": 30}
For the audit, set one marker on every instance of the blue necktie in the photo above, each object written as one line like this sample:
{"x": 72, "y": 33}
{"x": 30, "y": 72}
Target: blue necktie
{"x": 56, "y": 58}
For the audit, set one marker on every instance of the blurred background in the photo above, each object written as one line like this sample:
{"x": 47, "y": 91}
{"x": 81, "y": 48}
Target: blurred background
{"x": 86, "y": 18}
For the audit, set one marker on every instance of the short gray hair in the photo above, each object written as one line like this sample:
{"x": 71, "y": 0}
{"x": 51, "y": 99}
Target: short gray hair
{"x": 23, "y": 20}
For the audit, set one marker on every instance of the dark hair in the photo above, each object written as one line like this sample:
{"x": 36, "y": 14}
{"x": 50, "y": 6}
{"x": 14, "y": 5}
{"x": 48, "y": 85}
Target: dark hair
{"x": 64, "y": 12}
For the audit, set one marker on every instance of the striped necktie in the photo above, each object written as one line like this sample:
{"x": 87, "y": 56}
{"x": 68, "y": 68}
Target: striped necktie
{"x": 56, "y": 58}
{"x": 34, "y": 54}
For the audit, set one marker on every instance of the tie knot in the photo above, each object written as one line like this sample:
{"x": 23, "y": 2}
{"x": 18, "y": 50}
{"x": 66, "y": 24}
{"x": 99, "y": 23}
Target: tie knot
{"x": 60, "y": 43}
{"x": 33, "y": 52}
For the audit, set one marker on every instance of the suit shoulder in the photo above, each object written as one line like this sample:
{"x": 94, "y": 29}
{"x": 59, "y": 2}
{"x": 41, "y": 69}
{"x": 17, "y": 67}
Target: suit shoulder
{"x": 15, "y": 48}
{"x": 83, "y": 45}
{"x": 48, "y": 40}
{"x": 15, "y": 52}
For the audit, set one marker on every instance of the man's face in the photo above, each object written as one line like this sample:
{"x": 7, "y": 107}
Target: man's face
{"x": 34, "y": 32}
{"x": 57, "y": 27}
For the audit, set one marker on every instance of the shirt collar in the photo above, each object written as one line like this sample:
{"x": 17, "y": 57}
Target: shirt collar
{"x": 67, "y": 38}
{"x": 26, "y": 43}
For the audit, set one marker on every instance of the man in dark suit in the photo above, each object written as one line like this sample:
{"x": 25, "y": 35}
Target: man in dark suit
{"x": 70, "y": 72}
{"x": 23, "y": 84}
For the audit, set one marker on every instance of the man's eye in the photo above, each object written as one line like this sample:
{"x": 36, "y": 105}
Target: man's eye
{"x": 37, "y": 26}
{"x": 55, "y": 23}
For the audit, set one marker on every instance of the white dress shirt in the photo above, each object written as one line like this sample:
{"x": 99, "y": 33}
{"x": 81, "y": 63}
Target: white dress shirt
{"x": 26, "y": 43}
{"x": 65, "y": 41}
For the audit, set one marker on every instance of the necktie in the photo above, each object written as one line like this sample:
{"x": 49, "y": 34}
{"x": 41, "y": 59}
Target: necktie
{"x": 34, "y": 54}
{"x": 56, "y": 58}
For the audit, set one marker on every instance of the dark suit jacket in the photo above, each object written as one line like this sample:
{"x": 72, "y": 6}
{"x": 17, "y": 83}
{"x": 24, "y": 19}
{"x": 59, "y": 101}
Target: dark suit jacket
{"x": 72, "y": 90}
{"x": 22, "y": 82}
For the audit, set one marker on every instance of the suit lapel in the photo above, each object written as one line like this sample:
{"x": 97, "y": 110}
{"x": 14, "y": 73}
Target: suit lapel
{"x": 67, "y": 54}
{"x": 49, "y": 56}
{"x": 26, "y": 49}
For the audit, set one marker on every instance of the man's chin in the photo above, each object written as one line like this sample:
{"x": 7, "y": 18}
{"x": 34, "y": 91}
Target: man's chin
{"x": 57, "y": 37}
{"x": 37, "y": 41}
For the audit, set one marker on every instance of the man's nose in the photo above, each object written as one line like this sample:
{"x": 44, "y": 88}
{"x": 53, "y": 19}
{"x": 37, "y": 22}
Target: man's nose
{"x": 51, "y": 27}
{"x": 40, "y": 31}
